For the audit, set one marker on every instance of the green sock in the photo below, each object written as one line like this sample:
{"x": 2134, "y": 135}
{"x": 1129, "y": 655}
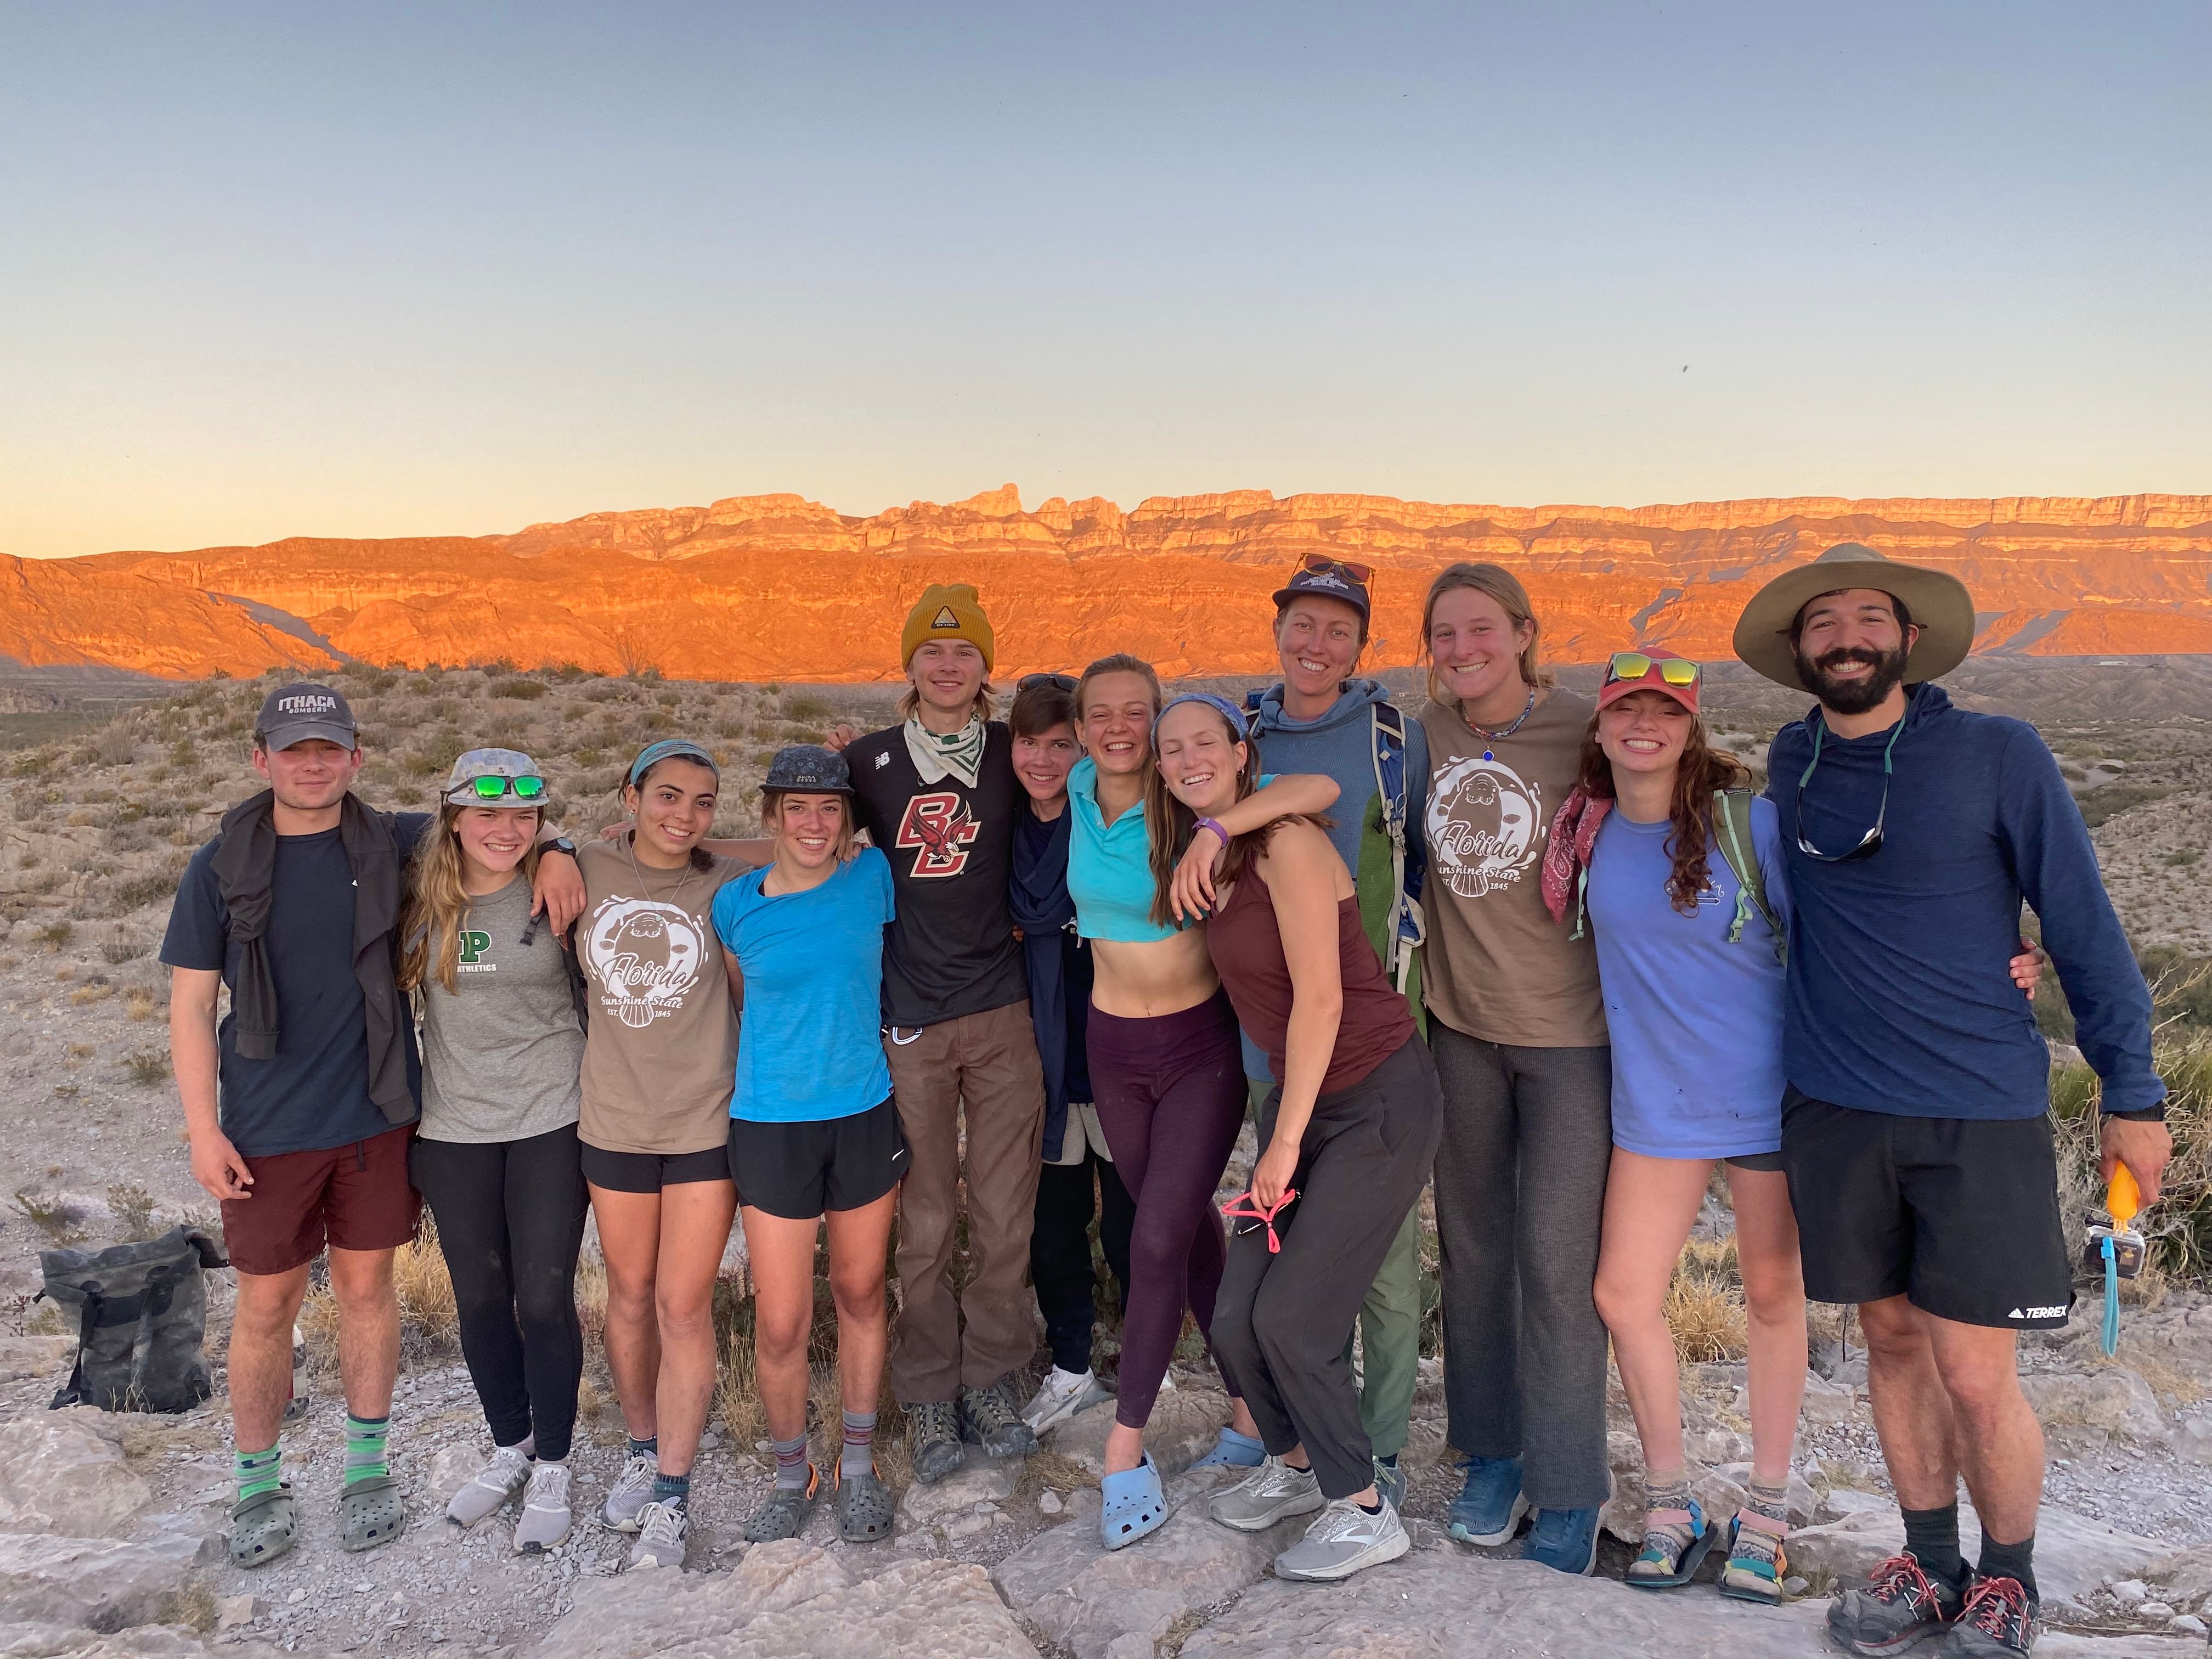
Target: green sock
{"x": 259, "y": 1472}
{"x": 365, "y": 1438}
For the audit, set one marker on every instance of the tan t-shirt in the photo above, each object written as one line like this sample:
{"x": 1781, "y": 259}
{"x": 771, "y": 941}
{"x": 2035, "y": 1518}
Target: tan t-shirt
{"x": 661, "y": 1048}
{"x": 1497, "y": 966}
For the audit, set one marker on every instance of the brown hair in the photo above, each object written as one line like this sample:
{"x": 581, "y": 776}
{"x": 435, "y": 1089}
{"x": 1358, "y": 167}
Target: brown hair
{"x": 1501, "y": 584}
{"x": 1037, "y": 708}
{"x": 701, "y": 860}
{"x": 772, "y": 818}
{"x": 1120, "y": 663}
{"x": 437, "y": 904}
{"x": 1172, "y": 823}
{"x": 1701, "y": 770}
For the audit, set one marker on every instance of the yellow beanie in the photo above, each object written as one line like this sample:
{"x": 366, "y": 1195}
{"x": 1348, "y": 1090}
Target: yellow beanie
{"x": 947, "y": 611}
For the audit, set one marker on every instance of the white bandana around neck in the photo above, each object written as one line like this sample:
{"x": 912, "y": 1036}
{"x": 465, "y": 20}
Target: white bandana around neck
{"x": 937, "y": 757}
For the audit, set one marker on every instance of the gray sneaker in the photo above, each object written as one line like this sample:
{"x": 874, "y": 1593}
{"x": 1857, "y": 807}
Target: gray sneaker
{"x": 631, "y": 1492}
{"x": 933, "y": 1439}
{"x": 544, "y": 1521}
{"x": 1061, "y": 1396}
{"x": 1346, "y": 1540}
{"x": 486, "y": 1492}
{"x": 1269, "y": 1493}
{"x": 661, "y": 1530}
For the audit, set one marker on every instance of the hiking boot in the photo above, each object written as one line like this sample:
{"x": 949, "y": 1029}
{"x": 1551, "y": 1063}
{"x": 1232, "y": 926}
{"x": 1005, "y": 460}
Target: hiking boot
{"x": 1266, "y": 1496}
{"x": 1343, "y": 1541}
{"x": 1061, "y": 1396}
{"x": 990, "y": 1419}
{"x": 1565, "y": 1541}
{"x": 1998, "y": 1621}
{"x": 631, "y": 1492}
{"x": 1901, "y": 1606}
{"x": 544, "y": 1521}
{"x": 933, "y": 1439}
{"x": 661, "y": 1531}
{"x": 1490, "y": 1505}
{"x": 486, "y": 1492}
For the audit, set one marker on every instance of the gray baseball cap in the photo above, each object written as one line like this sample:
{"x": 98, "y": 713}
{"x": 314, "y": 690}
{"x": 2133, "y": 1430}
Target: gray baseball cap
{"x": 299, "y": 713}
{"x": 523, "y": 784}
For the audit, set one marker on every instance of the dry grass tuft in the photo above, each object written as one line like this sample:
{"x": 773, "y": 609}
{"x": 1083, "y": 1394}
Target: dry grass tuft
{"x": 194, "y": 1607}
{"x": 1704, "y": 1302}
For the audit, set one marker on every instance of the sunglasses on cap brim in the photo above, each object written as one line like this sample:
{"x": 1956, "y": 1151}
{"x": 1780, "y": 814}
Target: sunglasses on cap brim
{"x": 1058, "y": 681}
{"x": 1634, "y": 665}
{"x": 1320, "y": 564}
{"x": 522, "y": 789}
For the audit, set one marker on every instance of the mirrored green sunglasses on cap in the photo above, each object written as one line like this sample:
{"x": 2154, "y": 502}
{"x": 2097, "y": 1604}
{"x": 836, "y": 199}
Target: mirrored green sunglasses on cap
{"x": 496, "y": 788}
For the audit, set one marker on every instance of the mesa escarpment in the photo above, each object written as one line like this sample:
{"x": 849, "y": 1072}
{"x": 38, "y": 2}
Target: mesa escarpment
{"x": 779, "y": 587}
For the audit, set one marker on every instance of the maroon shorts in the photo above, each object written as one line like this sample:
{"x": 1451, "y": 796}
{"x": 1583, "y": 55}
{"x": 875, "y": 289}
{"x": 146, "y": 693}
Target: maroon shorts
{"x": 355, "y": 1197}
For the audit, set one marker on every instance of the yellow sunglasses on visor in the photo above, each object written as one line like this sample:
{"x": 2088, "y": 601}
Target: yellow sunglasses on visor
{"x": 1634, "y": 665}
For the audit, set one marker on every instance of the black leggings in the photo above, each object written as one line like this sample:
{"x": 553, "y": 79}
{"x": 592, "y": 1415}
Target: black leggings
{"x": 510, "y": 1217}
{"x": 1060, "y": 1251}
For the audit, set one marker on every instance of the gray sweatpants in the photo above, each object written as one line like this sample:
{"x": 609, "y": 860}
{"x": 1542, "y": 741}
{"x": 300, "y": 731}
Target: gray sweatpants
{"x": 1519, "y": 1194}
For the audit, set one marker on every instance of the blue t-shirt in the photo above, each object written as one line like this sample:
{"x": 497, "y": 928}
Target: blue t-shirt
{"x": 810, "y": 1046}
{"x": 1696, "y": 1021}
{"x": 312, "y": 1094}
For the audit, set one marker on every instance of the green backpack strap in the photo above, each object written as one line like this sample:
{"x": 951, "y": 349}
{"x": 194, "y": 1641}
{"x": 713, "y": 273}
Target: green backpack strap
{"x": 1732, "y": 829}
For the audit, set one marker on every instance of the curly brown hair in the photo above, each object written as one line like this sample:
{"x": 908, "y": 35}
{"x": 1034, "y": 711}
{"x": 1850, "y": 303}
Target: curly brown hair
{"x": 1701, "y": 771}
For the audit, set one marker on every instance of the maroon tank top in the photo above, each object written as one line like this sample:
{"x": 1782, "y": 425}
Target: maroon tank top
{"x": 1246, "y": 947}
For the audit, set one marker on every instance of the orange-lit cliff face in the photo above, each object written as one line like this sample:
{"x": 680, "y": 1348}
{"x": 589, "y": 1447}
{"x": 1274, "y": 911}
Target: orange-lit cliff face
{"x": 779, "y": 587}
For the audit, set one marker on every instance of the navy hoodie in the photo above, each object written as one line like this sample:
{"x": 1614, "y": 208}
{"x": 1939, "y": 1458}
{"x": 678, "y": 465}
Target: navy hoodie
{"x": 1899, "y": 996}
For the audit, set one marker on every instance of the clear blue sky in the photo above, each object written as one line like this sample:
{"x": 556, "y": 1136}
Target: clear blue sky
{"x": 390, "y": 270}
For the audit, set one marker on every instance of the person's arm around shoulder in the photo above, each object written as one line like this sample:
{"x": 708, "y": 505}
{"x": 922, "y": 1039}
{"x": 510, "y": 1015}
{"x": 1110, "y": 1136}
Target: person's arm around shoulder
{"x": 1290, "y": 795}
{"x": 217, "y": 1164}
{"x": 1767, "y": 847}
{"x": 557, "y": 889}
{"x": 1307, "y": 881}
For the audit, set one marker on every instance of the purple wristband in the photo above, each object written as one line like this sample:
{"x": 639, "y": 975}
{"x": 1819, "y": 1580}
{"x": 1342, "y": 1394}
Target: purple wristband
{"x": 1213, "y": 824}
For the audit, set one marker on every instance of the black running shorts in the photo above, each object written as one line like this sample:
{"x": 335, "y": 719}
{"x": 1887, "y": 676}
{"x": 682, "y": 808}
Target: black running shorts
{"x": 1960, "y": 1215}
{"x": 650, "y": 1172}
{"x": 800, "y": 1170}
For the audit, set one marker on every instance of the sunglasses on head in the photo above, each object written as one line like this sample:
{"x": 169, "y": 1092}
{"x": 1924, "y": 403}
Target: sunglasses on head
{"x": 522, "y": 789}
{"x": 1635, "y": 665}
{"x": 1320, "y": 564}
{"x": 1058, "y": 681}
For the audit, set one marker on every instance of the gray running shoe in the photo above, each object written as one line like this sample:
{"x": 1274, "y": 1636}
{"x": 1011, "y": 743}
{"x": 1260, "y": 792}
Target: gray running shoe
{"x": 933, "y": 1439}
{"x": 631, "y": 1492}
{"x": 1900, "y": 1608}
{"x": 1269, "y": 1493}
{"x": 1345, "y": 1540}
{"x": 544, "y": 1521}
{"x": 486, "y": 1491}
{"x": 1061, "y": 1396}
{"x": 990, "y": 1419}
{"x": 661, "y": 1531}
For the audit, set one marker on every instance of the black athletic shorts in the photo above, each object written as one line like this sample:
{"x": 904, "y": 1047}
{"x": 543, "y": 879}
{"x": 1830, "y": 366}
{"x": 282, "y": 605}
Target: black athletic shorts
{"x": 800, "y": 1170}
{"x": 1960, "y": 1215}
{"x": 648, "y": 1172}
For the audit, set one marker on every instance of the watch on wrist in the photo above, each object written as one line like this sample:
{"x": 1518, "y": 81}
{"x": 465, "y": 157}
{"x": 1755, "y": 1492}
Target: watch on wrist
{"x": 560, "y": 844}
{"x": 2148, "y": 1114}
{"x": 1213, "y": 824}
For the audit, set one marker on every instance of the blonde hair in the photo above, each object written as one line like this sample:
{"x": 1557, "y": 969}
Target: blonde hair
{"x": 438, "y": 904}
{"x": 772, "y": 818}
{"x": 1501, "y": 584}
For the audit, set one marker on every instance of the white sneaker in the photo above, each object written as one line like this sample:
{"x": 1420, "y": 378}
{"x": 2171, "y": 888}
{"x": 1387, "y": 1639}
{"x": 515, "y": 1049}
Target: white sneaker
{"x": 661, "y": 1530}
{"x": 1345, "y": 1540}
{"x": 1268, "y": 1494}
{"x": 544, "y": 1521}
{"x": 1061, "y": 1396}
{"x": 486, "y": 1491}
{"x": 631, "y": 1492}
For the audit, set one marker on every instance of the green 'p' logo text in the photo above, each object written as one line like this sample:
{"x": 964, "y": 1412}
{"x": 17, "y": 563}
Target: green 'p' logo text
{"x": 473, "y": 945}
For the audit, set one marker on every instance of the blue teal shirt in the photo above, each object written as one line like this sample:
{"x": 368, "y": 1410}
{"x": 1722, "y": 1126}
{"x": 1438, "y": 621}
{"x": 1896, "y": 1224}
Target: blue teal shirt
{"x": 810, "y": 1047}
{"x": 1696, "y": 1022}
{"x": 1109, "y": 869}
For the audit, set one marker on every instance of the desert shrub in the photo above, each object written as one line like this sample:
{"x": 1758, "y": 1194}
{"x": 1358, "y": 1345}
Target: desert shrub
{"x": 1704, "y": 1302}
{"x": 2179, "y": 1226}
{"x": 135, "y": 891}
{"x": 810, "y": 710}
{"x": 132, "y": 1205}
{"x": 147, "y": 1067}
{"x": 523, "y": 690}
{"x": 121, "y": 946}
{"x": 54, "y": 935}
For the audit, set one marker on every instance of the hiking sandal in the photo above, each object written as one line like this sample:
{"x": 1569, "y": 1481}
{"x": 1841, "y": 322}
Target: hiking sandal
{"x": 786, "y": 1511}
{"x": 1134, "y": 1505}
{"x": 1669, "y": 1557}
{"x": 864, "y": 1507}
{"x": 1749, "y": 1575}
{"x": 262, "y": 1527}
{"x": 370, "y": 1512}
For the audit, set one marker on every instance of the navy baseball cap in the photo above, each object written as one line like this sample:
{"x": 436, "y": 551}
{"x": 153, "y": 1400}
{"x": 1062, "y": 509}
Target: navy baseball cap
{"x": 301, "y": 713}
{"x": 807, "y": 768}
{"x": 1327, "y": 579}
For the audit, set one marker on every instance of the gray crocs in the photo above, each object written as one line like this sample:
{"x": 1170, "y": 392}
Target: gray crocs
{"x": 263, "y": 1527}
{"x": 370, "y": 1512}
{"x": 786, "y": 1511}
{"x": 864, "y": 1507}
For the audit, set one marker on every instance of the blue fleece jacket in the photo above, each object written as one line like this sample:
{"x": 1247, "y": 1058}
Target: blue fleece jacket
{"x": 1899, "y": 996}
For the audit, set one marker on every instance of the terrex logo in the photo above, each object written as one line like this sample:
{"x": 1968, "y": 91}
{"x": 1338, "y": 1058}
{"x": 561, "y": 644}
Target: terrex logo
{"x": 2039, "y": 1313}
{"x": 937, "y": 829}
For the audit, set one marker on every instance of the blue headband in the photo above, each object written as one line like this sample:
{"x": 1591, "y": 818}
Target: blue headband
{"x": 1228, "y": 711}
{"x": 654, "y": 753}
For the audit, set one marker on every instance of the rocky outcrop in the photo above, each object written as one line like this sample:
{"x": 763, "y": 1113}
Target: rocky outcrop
{"x": 777, "y": 587}
{"x": 57, "y": 1476}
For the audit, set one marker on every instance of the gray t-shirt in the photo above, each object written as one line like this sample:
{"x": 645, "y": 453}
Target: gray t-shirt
{"x": 502, "y": 1053}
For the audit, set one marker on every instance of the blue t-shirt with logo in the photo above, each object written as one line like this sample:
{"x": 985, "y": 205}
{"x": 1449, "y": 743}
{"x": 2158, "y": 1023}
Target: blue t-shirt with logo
{"x": 810, "y": 1046}
{"x": 1696, "y": 1021}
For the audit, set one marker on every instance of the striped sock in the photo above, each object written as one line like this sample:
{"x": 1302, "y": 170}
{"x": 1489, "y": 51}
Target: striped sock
{"x": 365, "y": 1448}
{"x": 791, "y": 1463}
{"x": 674, "y": 1490}
{"x": 645, "y": 1448}
{"x": 858, "y": 1457}
{"x": 259, "y": 1472}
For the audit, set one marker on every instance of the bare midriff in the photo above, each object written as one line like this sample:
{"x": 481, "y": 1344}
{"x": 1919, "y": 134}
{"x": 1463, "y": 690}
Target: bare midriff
{"x": 1160, "y": 976}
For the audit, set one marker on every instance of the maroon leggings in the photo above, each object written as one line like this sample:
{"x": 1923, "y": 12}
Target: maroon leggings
{"x": 1170, "y": 1097}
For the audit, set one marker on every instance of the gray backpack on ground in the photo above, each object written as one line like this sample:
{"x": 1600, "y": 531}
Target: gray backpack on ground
{"x": 140, "y": 1317}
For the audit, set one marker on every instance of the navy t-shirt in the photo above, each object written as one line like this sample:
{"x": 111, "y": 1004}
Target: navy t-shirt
{"x": 313, "y": 1093}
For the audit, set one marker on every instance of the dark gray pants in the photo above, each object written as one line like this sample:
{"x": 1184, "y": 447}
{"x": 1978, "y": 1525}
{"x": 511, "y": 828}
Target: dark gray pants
{"x": 1281, "y": 1322}
{"x": 1519, "y": 1194}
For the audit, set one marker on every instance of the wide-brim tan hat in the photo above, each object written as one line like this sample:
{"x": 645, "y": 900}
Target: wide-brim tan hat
{"x": 1940, "y": 608}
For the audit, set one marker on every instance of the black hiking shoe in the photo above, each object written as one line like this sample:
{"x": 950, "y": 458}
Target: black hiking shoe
{"x": 933, "y": 1439}
{"x": 1998, "y": 1622}
{"x": 1900, "y": 1607}
{"x": 992, "y": 1418}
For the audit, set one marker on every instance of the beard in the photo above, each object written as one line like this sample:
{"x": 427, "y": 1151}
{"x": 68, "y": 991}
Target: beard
{"x": 1854, "y": 696}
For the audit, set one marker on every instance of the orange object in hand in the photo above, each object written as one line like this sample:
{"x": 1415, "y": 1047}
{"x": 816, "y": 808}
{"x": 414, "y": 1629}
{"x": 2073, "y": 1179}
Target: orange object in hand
{"x": 2123, "y": 1199}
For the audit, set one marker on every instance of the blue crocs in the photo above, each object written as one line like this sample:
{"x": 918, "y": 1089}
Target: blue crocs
{"x": 1490, "y": 1505}
{"x": 1564, "y": 1540}
{"x": 1233, "y": 1451}
{"x": 1133, "y": 1505}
